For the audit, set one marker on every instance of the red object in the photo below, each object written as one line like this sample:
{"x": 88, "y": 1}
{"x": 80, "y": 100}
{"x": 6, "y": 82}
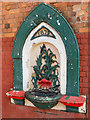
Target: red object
{"x": 44, "y": 83}
{"x": 72, "y": 101}
{"x": 16, "y": 94}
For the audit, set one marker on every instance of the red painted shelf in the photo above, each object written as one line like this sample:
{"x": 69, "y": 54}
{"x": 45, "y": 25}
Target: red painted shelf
{"x": 66, "y": 100}
{"x": 16, "y": 94}
{"x": 72, "y": 100}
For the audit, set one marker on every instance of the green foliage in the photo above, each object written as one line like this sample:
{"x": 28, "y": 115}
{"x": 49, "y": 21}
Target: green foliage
{"x": 49, "y": 69}
{"x": 38, "y": 61}
{"x": 38, "y": 72}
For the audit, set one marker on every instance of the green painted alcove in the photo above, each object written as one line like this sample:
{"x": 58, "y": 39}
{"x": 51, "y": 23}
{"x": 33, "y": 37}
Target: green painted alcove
{"x": 38, "y": 15}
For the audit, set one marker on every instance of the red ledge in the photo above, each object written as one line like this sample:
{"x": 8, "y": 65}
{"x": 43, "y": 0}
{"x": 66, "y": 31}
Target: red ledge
{"x": 72, "y": 100}
{"x": 16, "y": 94}
{"x": 66, "y": 100}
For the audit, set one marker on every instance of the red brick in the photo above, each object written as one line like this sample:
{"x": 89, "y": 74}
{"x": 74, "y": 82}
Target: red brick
{"x": 11, "y": 16}
{"x": 82, "y": 35}
{"x": 80, "y": 90}
{"x": 5, "y": 12}
{"x": 84, "y": 41}
{"x": 86, "y": 35}
{"x": 88, "y": 96}
{"x": 67, "y": 14}
{"x": 84, "y": 85}
{"x": 83, "y": 7}
{"x": 81, "y": 68}
{"x": 9, "y": 35}
{"x": 83, "y": 52}
{"x": 78, "y": 19}
{"x": 81, "y": 24}
{"x": 14, "y": 30}
{"x": 85, "y": 90}
{"x": 73, "y": 13}
{"x": 5, "y": 17}
{"x": 73, "y": 3}
{"x": 60, "y": 4}
{"x": 69, "y": 8}
{"x": 82, "y": 74}
{"x": 85, "y": 68}
{"x": 11, "y": 44}
{"x": 14, "y": 6}
{"x": 81, "y": 12}
{"x": 84, "y": 29}
{"x": 24, "y": 5}
{"x": 22, "y": 9}
{"x": 87, "y": 23}
{"x": 79, "y": 40}
{"x": 76, "y": 7}
{"x": 83, "y": 63}
{"x": 83, "y": 46}
{"x": 14, "y": 11}
{"x": 88, "y": 101}
{"x": 89, "y": 91}
{"x": 69, "y": 19}
{"x": 76, "y": 30}
{"x": 84, "y": 58}
{"x": 84, "y": 18}
{"x": 87, "y": 74}
{"x": 7, "y": 30}
{"x": 74, "y": 25}
{"x": 81, "y": 79}
{"x": 13, "y": 39}
{"x": 85, "y": 79}
{"x": 80, "y": 47}
{"x": 7, "y": 8}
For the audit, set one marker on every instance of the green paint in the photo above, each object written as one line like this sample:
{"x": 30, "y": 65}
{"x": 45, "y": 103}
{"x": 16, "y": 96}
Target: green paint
{"x": 18, "y": 76}
{"x": 66, "y": 33}
{"x": 19, "y": 102}
{"x": 67, "y": 98}
{"x": 43, "y": 102}
{"x": 72, "y": 109}
{"x": 45, "y": 105}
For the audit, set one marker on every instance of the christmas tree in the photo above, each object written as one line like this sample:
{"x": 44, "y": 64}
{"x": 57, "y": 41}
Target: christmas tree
{"x": 46, "y": 75}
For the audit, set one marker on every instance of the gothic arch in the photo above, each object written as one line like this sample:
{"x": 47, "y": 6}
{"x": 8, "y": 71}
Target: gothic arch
{"x": 47, "y": 14}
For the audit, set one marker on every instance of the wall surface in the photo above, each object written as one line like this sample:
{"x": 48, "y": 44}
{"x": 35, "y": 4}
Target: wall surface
{"x": 13, "y": 14}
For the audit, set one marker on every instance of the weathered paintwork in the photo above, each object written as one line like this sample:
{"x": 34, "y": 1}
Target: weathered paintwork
{"x": 45, "y": 13}
{"x": 18, "y": 85}
{"x": 72, "y": 101}
{"x": 43, "y": 102}
{"x": 16, "y": 94}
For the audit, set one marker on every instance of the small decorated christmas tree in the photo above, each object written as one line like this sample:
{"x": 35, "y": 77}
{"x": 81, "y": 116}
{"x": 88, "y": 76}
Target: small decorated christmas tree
{"x": 46, "y": 72}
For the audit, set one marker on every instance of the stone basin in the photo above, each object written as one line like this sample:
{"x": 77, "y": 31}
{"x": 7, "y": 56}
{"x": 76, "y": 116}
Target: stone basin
{"x": 43, "y": 102}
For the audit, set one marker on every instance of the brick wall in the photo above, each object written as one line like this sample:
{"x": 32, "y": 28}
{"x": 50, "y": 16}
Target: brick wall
{"x": 13, "y": 14}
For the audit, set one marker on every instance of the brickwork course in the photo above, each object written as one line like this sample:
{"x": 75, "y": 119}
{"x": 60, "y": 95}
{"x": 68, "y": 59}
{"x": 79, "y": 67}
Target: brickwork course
{"x": 11, "y": 17}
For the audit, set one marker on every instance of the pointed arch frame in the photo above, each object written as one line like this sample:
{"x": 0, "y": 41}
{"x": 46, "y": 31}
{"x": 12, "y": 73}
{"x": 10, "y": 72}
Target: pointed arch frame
{"x": 45, "y": 13}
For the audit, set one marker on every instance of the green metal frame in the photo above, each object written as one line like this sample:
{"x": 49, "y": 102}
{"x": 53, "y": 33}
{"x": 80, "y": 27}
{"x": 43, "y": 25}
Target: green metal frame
{"x": 38, "y": 15}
